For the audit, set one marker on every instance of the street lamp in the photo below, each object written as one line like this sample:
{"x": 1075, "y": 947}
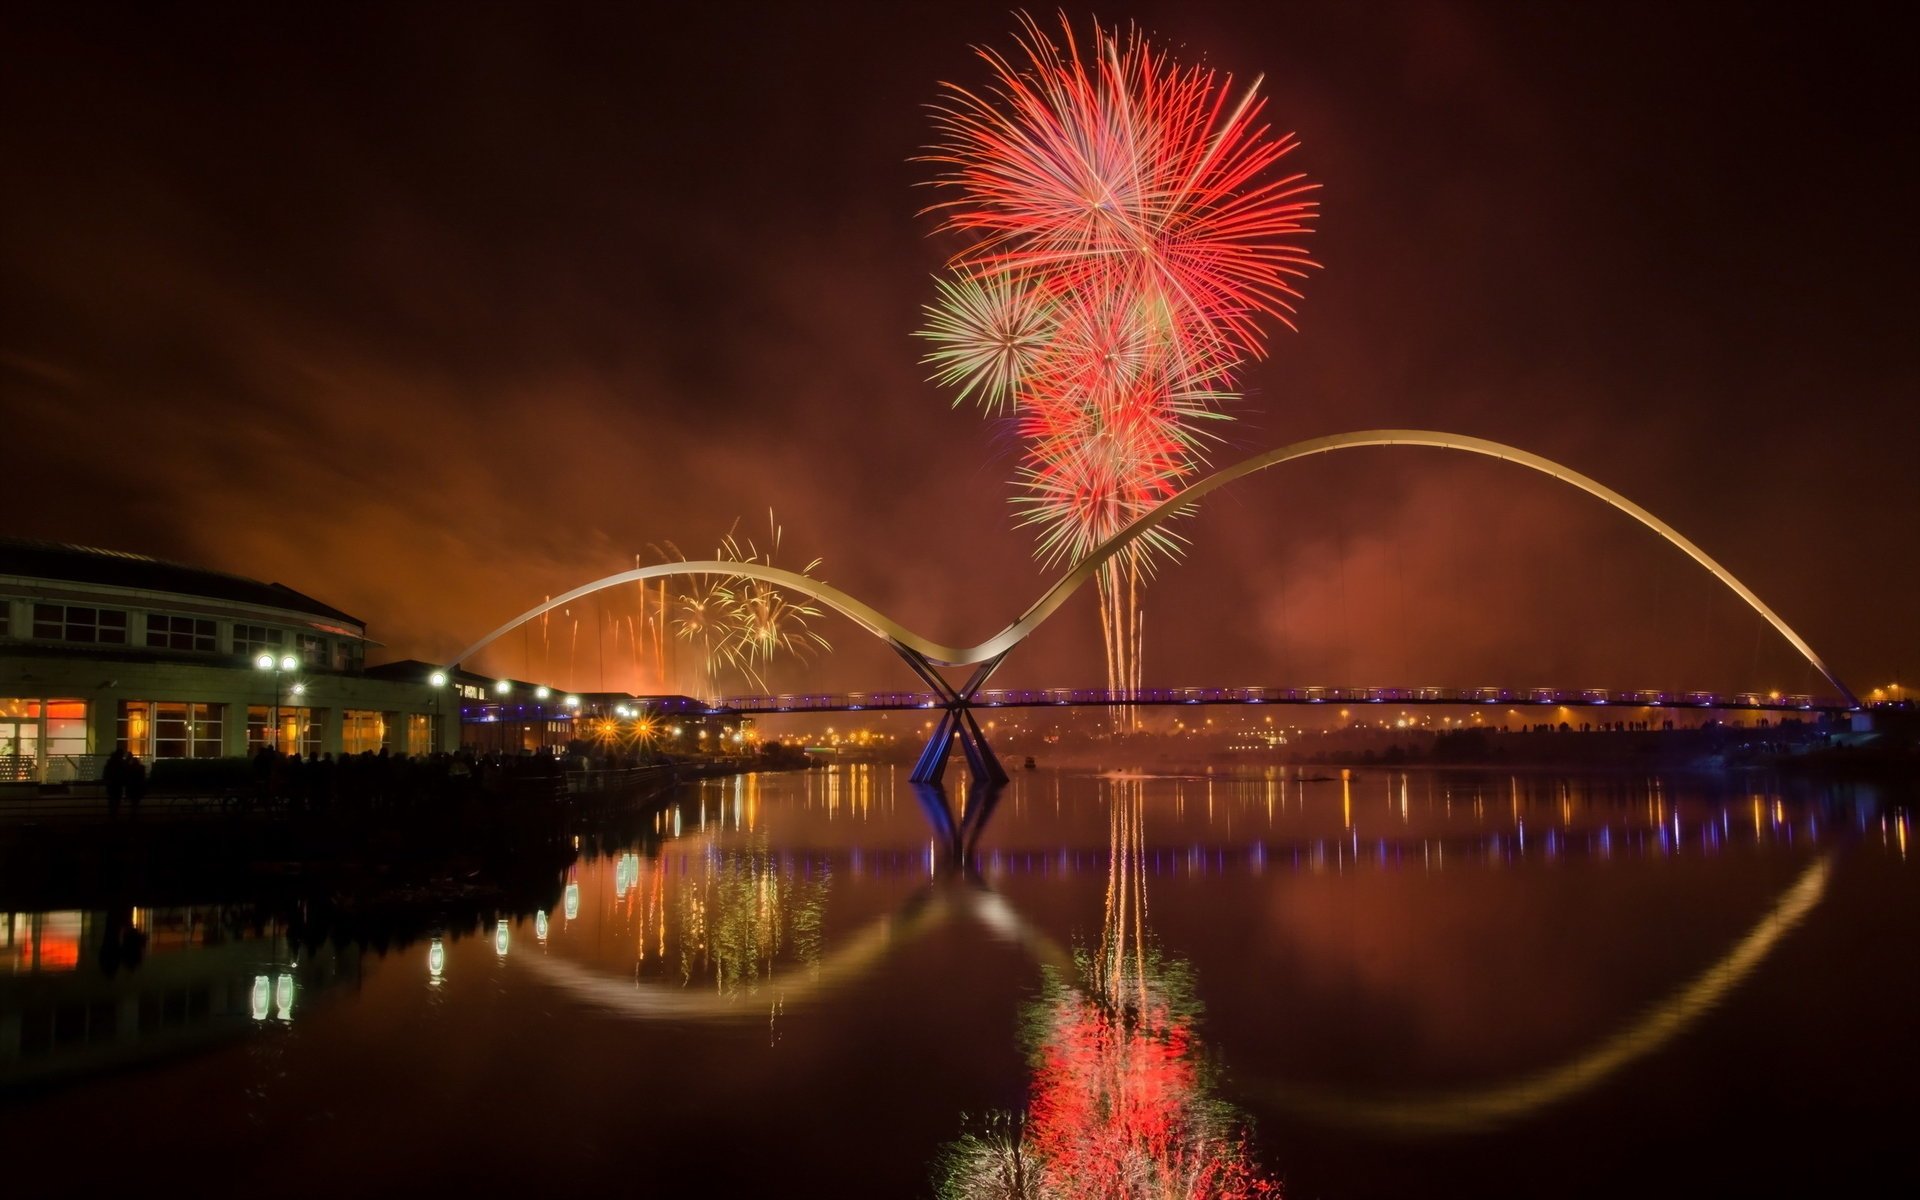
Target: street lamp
{"x": 438, "y": 682}
{"x": 286, "y": 663}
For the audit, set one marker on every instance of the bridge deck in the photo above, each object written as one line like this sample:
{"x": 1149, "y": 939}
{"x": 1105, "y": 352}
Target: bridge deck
{"x": 1105, "y": 698}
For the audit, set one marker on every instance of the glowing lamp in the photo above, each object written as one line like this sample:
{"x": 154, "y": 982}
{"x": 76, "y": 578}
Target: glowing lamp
{"x": 500, "y": 938}
{"x": 261, "y": 997}
{"x": 573, "y": 702}
{"x": 436, "y": 959}
{"x": 264, "y": 662}
{"x": 503, "y": 687}
{"x": 437, "y": 679}
{"x": 288, "y": 662}
{"x": 573, "y": 901}
{"x": 540, "y": 926}
{"x": 283, "y": 997}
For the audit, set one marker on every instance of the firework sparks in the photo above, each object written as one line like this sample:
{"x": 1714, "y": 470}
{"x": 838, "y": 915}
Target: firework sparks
{"x": 1124, "y": 230}
{"x": 741, "y": 625}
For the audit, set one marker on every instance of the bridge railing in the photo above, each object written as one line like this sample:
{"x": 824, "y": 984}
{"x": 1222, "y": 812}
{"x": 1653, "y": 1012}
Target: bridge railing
{"x": 1538, "y": 697}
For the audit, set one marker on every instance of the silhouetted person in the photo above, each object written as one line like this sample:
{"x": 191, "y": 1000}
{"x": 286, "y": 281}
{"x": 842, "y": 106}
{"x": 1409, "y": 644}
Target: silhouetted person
{"x": 115, "y": 776}
{"x": 136, "y": 783}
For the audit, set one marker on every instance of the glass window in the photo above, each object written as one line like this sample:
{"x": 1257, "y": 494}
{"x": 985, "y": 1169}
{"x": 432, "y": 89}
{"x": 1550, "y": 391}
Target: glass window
{"x": 80, "y": 623}
{"x": 348, "y": 655}
{"x": 313, "y": 649}
{"x": 179, "y": 729}
{"x": 135, "y": 734}
{"x": 180, "y": 633}
{"x": 250, "y": 640}
{"x": 420, "y": 738}
{"x": 362, "y": 731}
{"x": 66, "y": 726}
{"x": 300, "y": 728}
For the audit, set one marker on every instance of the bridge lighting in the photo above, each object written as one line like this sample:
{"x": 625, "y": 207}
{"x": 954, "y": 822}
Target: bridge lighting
{"x": 437, "y": 679}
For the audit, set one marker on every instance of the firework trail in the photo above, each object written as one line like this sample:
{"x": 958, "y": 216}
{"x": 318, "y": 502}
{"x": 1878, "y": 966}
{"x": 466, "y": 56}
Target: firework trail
{"x": 1124, "y": 233}
{"x": 742, "y": 625}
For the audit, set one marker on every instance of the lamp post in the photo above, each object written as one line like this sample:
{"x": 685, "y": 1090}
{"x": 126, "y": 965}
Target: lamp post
{"x": 438, "y": 682}
{"x": 285, "y": 663}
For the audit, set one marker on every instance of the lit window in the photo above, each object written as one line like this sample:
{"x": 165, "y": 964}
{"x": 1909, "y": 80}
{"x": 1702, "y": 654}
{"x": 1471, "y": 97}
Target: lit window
{"x": 300, "y": 729}
{"x": 313, "y": 650}
{"x": 362, "y": 731}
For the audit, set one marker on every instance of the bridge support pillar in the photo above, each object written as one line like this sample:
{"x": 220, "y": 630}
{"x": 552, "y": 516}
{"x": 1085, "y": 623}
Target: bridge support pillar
{"x": 956, "y": 723}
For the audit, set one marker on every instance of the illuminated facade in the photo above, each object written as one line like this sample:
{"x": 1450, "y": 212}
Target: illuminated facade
{"x": 102, "y": 650}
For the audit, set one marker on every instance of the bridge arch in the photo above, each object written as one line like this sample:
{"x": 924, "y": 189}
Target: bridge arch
{"x": 912, "y": 645}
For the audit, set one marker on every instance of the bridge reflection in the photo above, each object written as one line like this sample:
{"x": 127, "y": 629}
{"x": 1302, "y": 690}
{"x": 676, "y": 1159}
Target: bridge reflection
{"x": 1118, "y": 1017}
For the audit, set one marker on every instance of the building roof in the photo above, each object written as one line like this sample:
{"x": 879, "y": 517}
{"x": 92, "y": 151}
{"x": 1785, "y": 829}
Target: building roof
{"x": 119, "y": 568}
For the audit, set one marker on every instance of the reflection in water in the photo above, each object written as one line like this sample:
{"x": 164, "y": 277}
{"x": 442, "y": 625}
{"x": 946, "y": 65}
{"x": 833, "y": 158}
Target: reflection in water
{"x": 1120, "y": 1103}
{"x": 1472, "y": 1111}
{"x": 736, "y": 915}
{"x": 101, "y": 990}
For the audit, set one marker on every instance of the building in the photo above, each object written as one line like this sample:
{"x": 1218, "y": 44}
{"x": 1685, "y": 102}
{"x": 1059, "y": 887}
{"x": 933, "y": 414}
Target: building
{"x": 507, "y": 716}
{"x": 102, "y": 650}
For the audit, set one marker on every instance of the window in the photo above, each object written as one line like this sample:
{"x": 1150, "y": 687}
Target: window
{"x": 180, "y": 633}
{"x": 135, "y": 735}
{"x": 300, "y": 729}
{"x": 250, "y": 640}
{"x": 171, "y": 729}
{"x": 6, "y": 614}
{"x": 362, "y": 731}
{"x": 348, "y": 655}
{"x": 420, "y": 739}
{"x": 78, "y": 623}
{"x": 313, "y": 650}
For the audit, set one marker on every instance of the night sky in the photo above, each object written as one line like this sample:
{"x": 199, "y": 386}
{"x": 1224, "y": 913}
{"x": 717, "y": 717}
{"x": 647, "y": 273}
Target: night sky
{"x": 431, "y": 313}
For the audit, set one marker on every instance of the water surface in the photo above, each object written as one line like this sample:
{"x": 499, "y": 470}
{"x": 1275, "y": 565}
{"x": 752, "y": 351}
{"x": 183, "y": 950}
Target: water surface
{"x": 824, "y": 983}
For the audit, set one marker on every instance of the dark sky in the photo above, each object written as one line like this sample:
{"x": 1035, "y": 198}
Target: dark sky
{"x": 434, "y": 311}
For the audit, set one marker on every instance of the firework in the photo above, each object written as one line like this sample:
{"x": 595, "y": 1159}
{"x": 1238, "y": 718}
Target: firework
{"x": 1124, "y": 230}
{"x": 741, "y": 625}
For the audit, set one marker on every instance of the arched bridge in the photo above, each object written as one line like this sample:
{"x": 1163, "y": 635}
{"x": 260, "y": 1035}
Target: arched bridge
{"x": 956, "y": 702}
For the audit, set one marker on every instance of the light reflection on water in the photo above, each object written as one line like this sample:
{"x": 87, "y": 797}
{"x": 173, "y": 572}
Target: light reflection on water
{"x": 1268, "y": 976}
